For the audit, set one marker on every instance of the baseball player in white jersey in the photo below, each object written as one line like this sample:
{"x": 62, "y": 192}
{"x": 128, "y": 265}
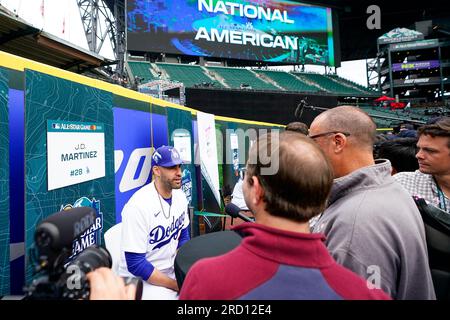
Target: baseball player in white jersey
{"x": 155, "y": 223}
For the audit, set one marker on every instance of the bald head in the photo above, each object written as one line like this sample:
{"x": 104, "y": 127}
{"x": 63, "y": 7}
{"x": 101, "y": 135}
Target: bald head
{"x": 351, "y": 120}
{"x": 299, "y": 189}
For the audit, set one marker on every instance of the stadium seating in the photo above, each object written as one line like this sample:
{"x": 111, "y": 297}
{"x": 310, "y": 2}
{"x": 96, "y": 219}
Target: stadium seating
{"x": 388, "y": 118}
{"x": 287, "y": 81}
{"x": 190, "y": 75}
{"x": 354, "y": 85}
{"x": 330, "y": 85}
{"x": 403, "y": 114}
{"x": 236, "y": 77}
{"x": 141, "y": 69}
{"x": 256, "y": 79}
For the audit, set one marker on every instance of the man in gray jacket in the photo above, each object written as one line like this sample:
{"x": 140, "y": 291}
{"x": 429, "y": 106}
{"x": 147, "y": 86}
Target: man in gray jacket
{"x": 372, "y": 224}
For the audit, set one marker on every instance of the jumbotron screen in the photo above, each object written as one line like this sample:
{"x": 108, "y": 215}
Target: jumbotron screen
{"x": 259, "y": 30}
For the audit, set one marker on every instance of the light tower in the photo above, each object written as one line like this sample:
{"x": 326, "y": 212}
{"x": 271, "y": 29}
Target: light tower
{"x": 104, "y": 19}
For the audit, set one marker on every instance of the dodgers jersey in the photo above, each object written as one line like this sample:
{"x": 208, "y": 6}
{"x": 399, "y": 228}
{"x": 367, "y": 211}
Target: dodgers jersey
{"x": 147, "y": 229}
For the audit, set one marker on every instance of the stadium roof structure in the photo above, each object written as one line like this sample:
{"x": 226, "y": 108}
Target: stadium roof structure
{"x": 356, "y": 40}
{"x": 20, "y": 38}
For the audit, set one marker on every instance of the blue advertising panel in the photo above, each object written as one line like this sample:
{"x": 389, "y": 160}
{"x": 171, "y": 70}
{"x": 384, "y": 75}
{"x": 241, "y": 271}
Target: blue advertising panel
{"x": 134, "y": 132}
{"x": 258, "y": 30}
{"x": 17, "y": 185}
{"x": 132, "y": 154}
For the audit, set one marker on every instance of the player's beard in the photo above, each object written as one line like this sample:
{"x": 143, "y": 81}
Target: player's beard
{"x": 171, "y": 183}
{"x": 175, "y": 184}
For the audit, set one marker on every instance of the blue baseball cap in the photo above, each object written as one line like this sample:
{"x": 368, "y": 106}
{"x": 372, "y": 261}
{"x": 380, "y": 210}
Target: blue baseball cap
{"x": 166, "y": 156}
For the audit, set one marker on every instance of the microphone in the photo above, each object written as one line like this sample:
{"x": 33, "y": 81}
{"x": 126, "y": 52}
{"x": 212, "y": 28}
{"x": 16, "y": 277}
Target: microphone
{"x": 60, "y": 229}
{"x": 300, "y": 107}
{"x": 234, "y": 211}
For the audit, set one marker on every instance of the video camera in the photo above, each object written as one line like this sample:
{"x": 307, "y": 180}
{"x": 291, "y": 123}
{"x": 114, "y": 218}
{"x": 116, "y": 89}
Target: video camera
{"x": 58, "y": 276}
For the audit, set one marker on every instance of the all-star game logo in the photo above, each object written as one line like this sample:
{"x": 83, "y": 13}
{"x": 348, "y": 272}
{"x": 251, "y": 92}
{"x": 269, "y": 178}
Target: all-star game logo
{"x": 186, "y": 185}
{"x": 93, "y": 234}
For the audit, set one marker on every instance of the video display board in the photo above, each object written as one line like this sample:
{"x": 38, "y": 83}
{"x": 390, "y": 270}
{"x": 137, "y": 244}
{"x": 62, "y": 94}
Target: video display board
{"x": 258, "y": 30}
{"x": 415, "y": 65}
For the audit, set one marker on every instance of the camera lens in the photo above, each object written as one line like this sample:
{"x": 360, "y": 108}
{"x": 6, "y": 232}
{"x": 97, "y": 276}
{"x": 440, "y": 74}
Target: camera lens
{"x": 73, "y": 283}
{"x": 92, "y": 258}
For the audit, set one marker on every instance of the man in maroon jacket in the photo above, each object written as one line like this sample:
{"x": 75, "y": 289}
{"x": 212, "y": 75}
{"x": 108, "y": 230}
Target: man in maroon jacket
{"x": 278, "y": 258}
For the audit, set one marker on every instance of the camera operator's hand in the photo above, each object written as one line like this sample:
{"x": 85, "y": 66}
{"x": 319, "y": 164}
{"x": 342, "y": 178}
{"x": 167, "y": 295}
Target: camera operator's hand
{"x": 105, "y": 285}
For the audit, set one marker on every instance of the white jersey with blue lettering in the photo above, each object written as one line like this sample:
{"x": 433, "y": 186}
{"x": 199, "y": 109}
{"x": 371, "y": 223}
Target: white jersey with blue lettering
{"x": 151, "y": 226}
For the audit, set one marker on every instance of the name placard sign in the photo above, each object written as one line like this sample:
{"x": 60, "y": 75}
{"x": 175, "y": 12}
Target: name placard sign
{"x": 75, "y": 152}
